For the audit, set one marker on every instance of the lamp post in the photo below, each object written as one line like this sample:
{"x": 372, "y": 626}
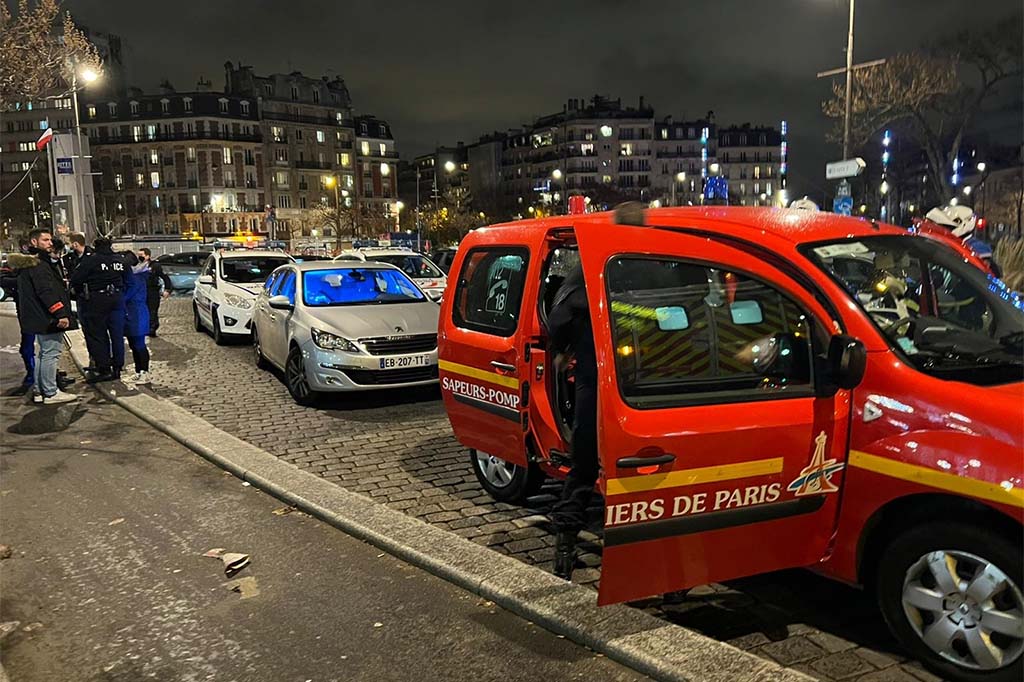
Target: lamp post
{"x": 679, "y": 177}
{"x": 332, "y": 181}
{"x": 557, "y": 176}
{"x": 849, "y": 85}
{"x": 88, "y": 76}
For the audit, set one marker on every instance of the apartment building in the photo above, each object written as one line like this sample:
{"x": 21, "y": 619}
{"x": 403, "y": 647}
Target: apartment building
{"x": 376, "y": 190}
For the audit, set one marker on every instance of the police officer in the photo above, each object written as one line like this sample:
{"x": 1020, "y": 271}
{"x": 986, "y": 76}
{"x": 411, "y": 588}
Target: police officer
{"x": 570, "y": 331}
{"x": 102, "y": 279}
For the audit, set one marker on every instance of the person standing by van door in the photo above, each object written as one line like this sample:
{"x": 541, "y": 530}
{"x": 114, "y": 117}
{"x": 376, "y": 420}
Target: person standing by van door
{"x": 570, "y": 331}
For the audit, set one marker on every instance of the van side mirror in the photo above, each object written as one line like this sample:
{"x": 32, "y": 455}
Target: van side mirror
{"x": 205, "y": 279}
{"x": 846, "y": 362}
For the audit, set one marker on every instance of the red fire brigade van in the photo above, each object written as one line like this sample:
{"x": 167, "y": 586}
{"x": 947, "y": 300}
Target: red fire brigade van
{"x": 777, "y": 389}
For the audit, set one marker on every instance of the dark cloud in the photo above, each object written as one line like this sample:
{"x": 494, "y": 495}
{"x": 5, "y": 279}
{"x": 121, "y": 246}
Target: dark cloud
{"x": 452, "y": 70}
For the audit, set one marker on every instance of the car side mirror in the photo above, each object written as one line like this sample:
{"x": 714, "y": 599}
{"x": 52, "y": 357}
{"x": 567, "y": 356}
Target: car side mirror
{"x": 846, "y": 362}
{"x": 280, "y": 302}
{"x": 205, "y": 279}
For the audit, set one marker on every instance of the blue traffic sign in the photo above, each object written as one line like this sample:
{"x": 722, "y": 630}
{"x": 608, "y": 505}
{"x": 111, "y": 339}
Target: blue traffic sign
{"x": 65, "y": 166}
{"x": 842, "y": 205}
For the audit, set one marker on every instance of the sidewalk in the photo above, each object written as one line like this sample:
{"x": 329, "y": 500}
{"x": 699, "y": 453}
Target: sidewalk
{"x": 109, "y": 520}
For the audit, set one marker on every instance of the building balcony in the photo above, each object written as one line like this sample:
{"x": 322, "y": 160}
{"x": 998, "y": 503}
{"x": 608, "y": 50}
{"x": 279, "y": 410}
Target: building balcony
{"x": 176, "y": 137}
{"x": 671, "y": 154}
{"x": 312, "y": 120}
{"x": 313, "y": 165}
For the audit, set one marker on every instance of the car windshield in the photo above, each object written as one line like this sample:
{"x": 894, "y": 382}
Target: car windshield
{"x": 945, "y": 316}
{"x": 413, "y": 265}
{"x": 249, "y": 270}
{"x": 357, "y": 286}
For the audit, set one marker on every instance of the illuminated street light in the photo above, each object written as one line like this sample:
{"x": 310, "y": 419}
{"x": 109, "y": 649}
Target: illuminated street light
{"x": 556, "y": 174}
{"x": 89, "y": 75}
{"x": 884, "y": 189}
{"x": 714, "y": 167}
{"x": 967, "y": 190}
{"x": 656, "y": 203}
{"x": 330, "y": 181}
{"x": 449, "y": 166}
{"x": 385, "y": 169}
{"x": 399, "y": 205}
{"x": 981, "y": 166}
{"x": 680, "y": 177}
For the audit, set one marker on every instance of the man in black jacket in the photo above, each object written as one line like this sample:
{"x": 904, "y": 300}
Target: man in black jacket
{"x": 44, "y": 309}
{"x": 570, "y": 331}
{"x": 102, "y": 278}
{"x": 153, "y": 295}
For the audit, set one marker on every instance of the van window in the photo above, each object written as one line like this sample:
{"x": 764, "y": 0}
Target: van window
{"x": 688, "y": 333}
{"x": 490, "y": 290}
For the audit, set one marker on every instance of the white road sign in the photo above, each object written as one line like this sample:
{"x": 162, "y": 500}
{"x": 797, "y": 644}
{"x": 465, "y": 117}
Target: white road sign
{"x": 844, "y": 169}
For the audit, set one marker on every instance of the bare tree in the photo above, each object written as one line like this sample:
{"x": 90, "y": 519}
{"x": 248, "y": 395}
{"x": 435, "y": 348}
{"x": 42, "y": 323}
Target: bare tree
{"x": 934, "y": 95}
{"x": 39, "y": 49}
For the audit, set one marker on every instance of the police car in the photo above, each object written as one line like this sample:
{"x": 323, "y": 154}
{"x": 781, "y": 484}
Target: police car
{"x": 421, "y": 269}
{"x": 223, "y": 299}
{"x": 777, "y": 389}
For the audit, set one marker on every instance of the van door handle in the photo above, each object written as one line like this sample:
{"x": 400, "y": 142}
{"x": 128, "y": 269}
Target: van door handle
{"x": 504, "y": 366}
{"x": 639, "y": 462}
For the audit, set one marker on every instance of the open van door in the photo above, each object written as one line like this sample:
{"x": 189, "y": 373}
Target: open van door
{"x": 719, "y": 457}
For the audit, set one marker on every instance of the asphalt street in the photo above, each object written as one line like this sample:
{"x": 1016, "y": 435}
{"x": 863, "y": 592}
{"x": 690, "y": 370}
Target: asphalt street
{"x": 109, "y": 521}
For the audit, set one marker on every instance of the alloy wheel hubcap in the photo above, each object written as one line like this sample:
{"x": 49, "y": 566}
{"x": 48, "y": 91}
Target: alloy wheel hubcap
{"x": 495, "y": 470}
{"x": 296, "y": 378}
{"x": 965, "y": 609}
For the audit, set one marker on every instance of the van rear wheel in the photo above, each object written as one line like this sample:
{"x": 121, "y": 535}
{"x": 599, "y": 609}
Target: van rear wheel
{"x": 952, "y": 595}
{"x": 504, "y": 481}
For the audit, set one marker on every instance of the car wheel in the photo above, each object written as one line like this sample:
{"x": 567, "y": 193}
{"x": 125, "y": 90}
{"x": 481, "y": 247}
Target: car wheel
{"x": 257, "y": 351}
{"x": 295, "y": 378}
{"x": 951, "y": 593}
{"x": 218, "y": 335}
{"x": 197, "y": 321}
{"x": 504, "y": 481}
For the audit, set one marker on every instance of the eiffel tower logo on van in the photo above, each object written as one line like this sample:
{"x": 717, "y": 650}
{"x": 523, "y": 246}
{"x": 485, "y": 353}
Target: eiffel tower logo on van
{"x": 816, "y": 477}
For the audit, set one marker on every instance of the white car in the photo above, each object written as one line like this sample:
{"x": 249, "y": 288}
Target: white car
{"x": 418, "y": 267}
{"x": 225, "y": 292}
{"x": 345, "y": 326}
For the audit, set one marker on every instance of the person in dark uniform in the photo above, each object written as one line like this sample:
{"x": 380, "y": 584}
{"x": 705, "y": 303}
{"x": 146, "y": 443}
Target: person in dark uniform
{"x": 79, "y": 251}
{"x": 27, "y": 349}
{"x": 570, "y": 331}
{"x": 103, "y": 278}
{"x": 153, "y": 295}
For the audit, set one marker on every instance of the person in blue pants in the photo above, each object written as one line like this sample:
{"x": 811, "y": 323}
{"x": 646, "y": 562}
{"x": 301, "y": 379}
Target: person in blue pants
{"x": 136, "y": 323}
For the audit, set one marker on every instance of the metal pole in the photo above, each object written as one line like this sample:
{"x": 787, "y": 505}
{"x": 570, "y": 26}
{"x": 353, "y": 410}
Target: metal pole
{"x": 89, "y": 230}
{"x": 849, "y": 86}
{"x": 418, "y": 238}
{"x": 35, "y": 205}
{"x": 673, "y": 191}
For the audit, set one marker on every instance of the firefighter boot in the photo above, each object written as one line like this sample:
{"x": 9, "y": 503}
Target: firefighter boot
{"x": 565, "y": 554}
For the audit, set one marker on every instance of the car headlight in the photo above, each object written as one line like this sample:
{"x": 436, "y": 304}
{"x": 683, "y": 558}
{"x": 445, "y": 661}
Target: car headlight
{"x": 238, "y": 301}
{"x": 329, "y": 341}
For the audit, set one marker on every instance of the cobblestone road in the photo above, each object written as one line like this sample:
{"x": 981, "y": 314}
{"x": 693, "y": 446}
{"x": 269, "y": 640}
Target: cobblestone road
{"x": 398, "y": 448}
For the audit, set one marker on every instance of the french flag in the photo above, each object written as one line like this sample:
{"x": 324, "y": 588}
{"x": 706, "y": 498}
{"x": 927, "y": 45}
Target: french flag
{"x": 44, "y": 139}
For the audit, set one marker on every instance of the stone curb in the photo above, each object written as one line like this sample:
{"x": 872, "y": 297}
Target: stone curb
{"x": 644, "y": 643}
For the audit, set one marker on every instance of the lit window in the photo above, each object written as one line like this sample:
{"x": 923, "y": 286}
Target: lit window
{"x": 349, "y": 181}
{"x": 281, "y": 178}
{"x": 364, "y": 147}
{"x": 134, "y": 106}
{"x": 190, "y": 153}
{"x": 227, "y": 155}
{"x": 154, "y": 156}
{"x": 92, "y": 111}
{"x": 626, "y": 149}
{"x": 757, "y": 173}
{"x": 151, "y": 131}
{"x": 606, "y": 179}
{"x": 385, "y": 169}
{"x": 137, "y": 133}
{"x": 383, "y": 149}
{"x": 154, "y": 179}
{"x": 277, "y": 133}
{"x": 344, "y": 159}
{"x": 340, "y": 118}
{"x": 140, "y": 180}
{"x": 606, "y": 131}
{"x": 156, "y": 201}
{"x": 44, "y": 124}
{"x": 188, "y": 103}
{"x": 119, "y": 181}
{"x": 664, "y": 133}
{"x": 194, "y": 200}
{"x": 320, "y": 137}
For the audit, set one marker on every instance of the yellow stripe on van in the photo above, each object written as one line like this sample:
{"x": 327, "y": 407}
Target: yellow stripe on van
{"x": 970, "y": 487}
{"x": 676, "y": 479}
{"x": 477, "y": 373}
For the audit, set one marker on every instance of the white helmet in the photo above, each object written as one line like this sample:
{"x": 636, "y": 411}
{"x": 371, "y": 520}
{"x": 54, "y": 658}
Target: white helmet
{"x": 960, "y": 219}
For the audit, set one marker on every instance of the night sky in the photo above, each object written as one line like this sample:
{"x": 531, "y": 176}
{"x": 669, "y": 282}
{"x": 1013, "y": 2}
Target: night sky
{"x": 451, "y": 70}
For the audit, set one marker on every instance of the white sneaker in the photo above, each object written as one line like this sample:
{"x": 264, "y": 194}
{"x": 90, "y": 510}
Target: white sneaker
{"x": 60, "y": 397}
{"x": 143, "y": 378}
{"x": 37, "y": 399}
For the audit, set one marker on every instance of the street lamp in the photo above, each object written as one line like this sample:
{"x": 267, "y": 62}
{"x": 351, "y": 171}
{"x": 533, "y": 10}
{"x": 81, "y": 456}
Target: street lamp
{"x": 679, "y": 178}
{"x": 88, "y": 75}
{"x": 557, "y": 175}
{"x": 967, "y": 190}
{"x": 449, "y": 166}
{"x": 981, "y": 166}
{"x": 331, "y": 181}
